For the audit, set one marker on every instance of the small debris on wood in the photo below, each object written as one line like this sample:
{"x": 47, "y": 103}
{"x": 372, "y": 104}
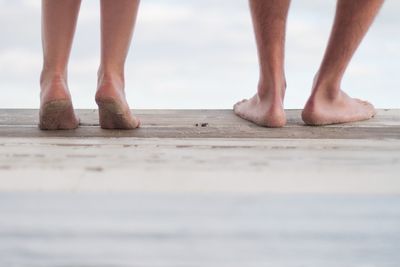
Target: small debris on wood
{"x": 203, "y": 124}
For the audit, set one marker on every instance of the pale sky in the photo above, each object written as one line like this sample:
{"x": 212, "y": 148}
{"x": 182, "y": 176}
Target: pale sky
{"x": 197, "y": 54}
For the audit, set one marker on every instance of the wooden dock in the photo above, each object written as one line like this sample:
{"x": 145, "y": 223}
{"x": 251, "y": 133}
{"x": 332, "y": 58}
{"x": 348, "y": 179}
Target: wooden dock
{"x": 201, "y": 150}
{"x": 204, "y": 124}
{"x": 196, "y": 188}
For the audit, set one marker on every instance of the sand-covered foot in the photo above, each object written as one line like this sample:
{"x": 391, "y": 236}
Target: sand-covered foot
{"x": 341, "y": 109}
{"x": 56, "y": 109}
{"x": 263, "y": 112}
{"x": 114, "y": 111}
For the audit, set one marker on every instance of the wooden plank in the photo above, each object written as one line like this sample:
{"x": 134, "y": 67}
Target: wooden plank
{"x": 218, "y": 124}
{"x": 200, "y": 165}
{"x": 213, "y": 132}
{"x": 175, "y": 194}
{"x": 189, "y": 118}
{"x": 213, "y": 230}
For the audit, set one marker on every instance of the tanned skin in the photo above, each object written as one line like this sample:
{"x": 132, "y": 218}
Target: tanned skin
{"x": 59, "y": 20}
{"x": 328, "y": 104}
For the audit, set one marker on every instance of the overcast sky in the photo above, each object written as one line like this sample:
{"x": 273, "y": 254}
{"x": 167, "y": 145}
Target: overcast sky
{"x": 197, "y": 54}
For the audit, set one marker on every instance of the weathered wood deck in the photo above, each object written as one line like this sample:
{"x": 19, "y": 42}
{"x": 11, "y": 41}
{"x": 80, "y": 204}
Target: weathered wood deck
{"x": 203, "y": 124}
{"x": 201, "y": 150}
{"x": 199, "y": 188}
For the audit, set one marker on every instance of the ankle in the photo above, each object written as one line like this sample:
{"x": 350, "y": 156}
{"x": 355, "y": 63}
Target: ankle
{"x": 110, "y": 84}
{"x": 272, "y": 90}
{"x": 326, "y": 92}
{"x": 105, "y": 74}
{"x": 53, "y": 86}
{"x": 321, "y": 96}
{"x": 110, "y": 80}
{"x": 53, "y": 77}
{"x": 326, "y": 87}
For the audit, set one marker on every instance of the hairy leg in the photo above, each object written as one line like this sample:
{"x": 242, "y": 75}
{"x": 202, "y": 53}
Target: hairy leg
{"x": 328, "y": 104}
{"x": 266, "y": 107}
{"x": 117, "y": 24}
{"x": 58, "y": 27}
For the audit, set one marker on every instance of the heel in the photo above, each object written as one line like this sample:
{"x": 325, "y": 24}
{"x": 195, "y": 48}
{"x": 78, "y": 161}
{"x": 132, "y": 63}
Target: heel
{"x": 57, "y": 115}
{"x": 113, "y": 116}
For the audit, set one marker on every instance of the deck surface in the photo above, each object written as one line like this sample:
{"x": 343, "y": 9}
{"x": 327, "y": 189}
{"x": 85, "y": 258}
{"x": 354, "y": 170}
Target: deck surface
{"x": 204, "y": 124}
{"x": 199, "y": 188}
{"x": 201, "y": 151}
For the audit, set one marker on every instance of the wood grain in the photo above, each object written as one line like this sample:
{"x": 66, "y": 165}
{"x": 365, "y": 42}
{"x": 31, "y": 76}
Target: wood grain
{"x": 176, "y": 194}
{"x": 204, "y": 124}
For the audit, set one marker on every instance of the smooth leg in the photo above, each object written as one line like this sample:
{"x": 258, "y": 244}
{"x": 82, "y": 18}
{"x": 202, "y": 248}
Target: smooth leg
{"x": 58, "y": 28}
{"x": 328, "y": 104}
{"x": 117, "y": 24}
{"x": 266, "y": 107}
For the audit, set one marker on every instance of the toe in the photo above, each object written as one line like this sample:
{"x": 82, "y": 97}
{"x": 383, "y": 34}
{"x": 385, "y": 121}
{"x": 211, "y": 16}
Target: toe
{"x": 239, "y": 103}
{"x": 368, "y": 105}
{"x": 371, "y": 108}
{"x": 138, "y": 123}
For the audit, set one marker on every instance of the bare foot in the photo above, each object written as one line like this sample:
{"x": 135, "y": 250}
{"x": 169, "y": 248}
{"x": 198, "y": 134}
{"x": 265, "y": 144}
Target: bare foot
{"x": 264, "y": 112}
{"x": 56, "y": 109}
{"x": 321, "y": 110}
{"x": 114, "y": 112}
